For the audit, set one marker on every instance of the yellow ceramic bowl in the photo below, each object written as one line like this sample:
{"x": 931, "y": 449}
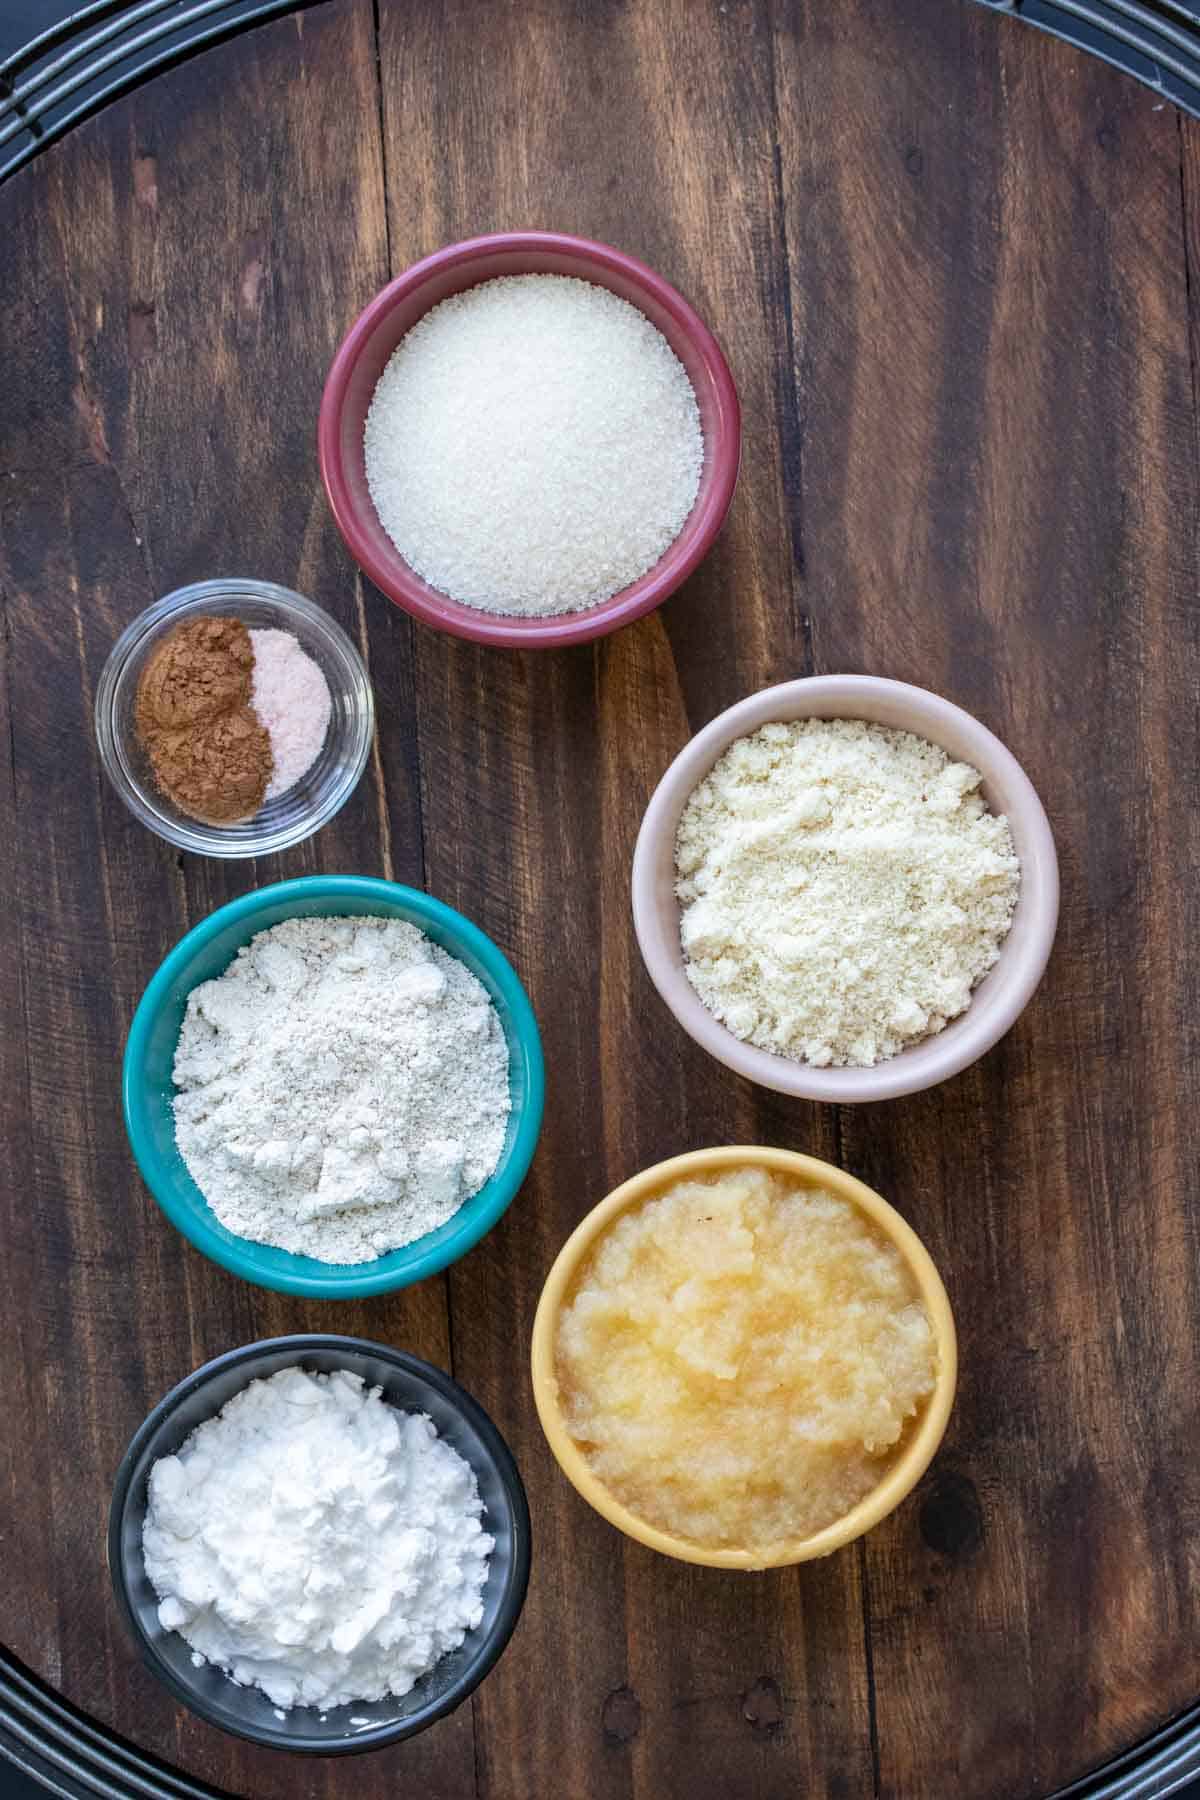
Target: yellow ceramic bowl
{"x": 917, "y": 1453}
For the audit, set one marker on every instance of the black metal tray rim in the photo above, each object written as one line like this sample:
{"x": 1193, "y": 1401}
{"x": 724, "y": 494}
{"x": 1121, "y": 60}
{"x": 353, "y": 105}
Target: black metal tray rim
{"x": 106, "y": 47}
{"x": 77, "y": 1759}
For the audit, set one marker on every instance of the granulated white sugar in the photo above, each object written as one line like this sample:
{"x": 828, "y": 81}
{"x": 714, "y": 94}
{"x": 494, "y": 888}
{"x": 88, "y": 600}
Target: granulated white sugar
{"x": 533, "y": 445}
{"x": 291, "y": 697}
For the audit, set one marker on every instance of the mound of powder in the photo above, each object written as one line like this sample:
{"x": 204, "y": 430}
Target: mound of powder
{"x": 210, "y": 753}
{"x": 199, "y": 671}
{"x": 843, "y": 889}
{"x": 533, "y": 445}
{"x": 315, "y": 1542}
{"x": 343, "y": 1087}
{"x": 291, "y": 697}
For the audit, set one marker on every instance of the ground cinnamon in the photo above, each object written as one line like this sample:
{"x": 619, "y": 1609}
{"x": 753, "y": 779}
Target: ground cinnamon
{"x": 210, "y": 754}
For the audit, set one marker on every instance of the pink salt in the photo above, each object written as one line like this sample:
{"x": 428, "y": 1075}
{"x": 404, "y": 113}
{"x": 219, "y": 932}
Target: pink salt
{"x": 291, "y": 697}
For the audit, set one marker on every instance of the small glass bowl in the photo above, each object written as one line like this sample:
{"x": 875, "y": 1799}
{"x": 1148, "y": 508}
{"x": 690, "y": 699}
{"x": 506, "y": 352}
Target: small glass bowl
{"x": 311, "y": 801}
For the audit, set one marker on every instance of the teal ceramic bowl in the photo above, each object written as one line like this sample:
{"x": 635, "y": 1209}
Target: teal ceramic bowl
{"x": 147, "y": 1087}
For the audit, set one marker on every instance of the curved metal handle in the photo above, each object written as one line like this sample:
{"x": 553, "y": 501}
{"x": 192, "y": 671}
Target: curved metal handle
{"x": 1157, "y": 41}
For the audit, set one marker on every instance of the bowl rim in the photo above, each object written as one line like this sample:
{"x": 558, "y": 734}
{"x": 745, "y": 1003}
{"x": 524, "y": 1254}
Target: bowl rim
{"x": 811, "y": 1171}
{"x": 222, "y": 593}
{"x": 354, "y": 1280}
{"x": 511, "y": 631}
{"x": 932, "y": 1060}
{"x": 457, "y": 1397}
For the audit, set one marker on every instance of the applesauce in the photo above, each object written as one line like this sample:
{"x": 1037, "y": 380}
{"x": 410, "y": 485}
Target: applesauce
{"x": 740, "y": 1358}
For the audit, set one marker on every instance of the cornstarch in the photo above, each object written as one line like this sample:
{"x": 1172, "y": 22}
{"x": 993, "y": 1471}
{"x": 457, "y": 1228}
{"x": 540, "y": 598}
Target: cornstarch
{"x": 843, "y": 888}
{"x": 342, "y": 1087}
{"x": 317, "y": 1543}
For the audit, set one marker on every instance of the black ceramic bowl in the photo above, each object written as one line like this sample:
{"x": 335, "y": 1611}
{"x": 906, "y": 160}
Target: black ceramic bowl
{"x": 408, "y": 1383}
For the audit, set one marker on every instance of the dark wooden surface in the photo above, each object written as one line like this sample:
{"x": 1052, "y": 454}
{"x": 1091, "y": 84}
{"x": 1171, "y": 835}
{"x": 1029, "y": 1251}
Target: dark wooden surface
{"x": 950, "y": 262}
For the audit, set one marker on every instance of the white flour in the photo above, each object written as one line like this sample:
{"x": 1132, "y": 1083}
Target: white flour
{"x": 315, "y": 1542}
{"x": 843, "y": 887}
{"x": 343, "y": 1087}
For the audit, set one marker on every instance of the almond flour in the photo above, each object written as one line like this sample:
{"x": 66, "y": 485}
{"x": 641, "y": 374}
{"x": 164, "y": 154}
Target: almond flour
{"x": 843, "y": 888}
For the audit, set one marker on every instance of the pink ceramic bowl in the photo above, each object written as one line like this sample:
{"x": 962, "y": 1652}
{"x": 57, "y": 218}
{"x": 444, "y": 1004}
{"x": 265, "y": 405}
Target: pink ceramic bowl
{"x": 999, "y": 997}
{"x": 361, "y": 361}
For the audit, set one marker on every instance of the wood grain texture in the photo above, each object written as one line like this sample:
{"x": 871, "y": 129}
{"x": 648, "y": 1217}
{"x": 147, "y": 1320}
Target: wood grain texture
{"x": 951, "y": 265}
{"x": 992, "y": 507}
{"x": 171, "y": 313}
{"x": 574, "y": 745}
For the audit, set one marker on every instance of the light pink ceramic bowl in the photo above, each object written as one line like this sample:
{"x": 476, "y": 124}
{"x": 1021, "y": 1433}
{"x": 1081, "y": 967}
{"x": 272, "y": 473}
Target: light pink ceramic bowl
{"x": 361, "y": 361}
{"x": 1004, "y": 990}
